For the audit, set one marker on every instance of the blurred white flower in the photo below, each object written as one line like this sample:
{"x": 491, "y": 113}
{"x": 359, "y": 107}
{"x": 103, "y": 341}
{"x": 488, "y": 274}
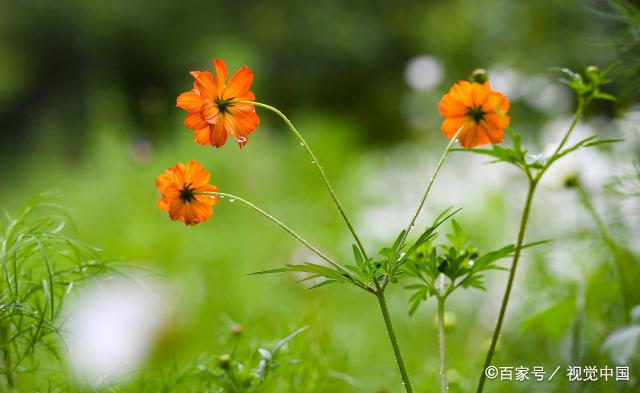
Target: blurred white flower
{"x": 398, "y": 180}
{"x": 111, "y": 327}
{"x": 423, "y": 72}
{"x": 561, "y": 173}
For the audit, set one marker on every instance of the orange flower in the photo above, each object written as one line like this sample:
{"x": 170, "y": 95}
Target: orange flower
{"x": 180, "y": 187}
{"x": 478, "y": 110}
{"x": 213, "y": 109}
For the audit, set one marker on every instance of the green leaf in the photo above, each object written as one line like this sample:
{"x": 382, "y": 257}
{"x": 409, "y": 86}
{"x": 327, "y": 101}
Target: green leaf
{"x": 271, "y": 271}
{"x": 358, "y": 257}
{"x": 485, "y": 261}
{"x": 603, "y": 141}
{"x": 323, "y": 283}
{"x": 458, "y": 238}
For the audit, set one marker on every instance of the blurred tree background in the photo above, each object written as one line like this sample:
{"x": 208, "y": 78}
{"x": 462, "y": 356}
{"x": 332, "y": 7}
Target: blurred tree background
{"x": 342, "y": 59}
{"x": 87, "y": 105}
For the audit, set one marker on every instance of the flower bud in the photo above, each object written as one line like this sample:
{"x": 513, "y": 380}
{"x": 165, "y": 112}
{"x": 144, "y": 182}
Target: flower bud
{"x": 479, "y": 75}
{"x": 593, "y": 69}
{"x": 224, "y": 361}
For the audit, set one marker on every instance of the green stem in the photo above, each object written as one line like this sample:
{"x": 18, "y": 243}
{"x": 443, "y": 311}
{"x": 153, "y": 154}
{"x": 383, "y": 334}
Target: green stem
{"x": 430, "y": 183}
{"x": 512, "y": 274}
{"x": 280, "y": 224}
{"x": 443, "y": 371}
{"x": 394, "y": 341}
{"x": 412, "y": 223}
{"x": 314, "y": 160}
{"x": 564, "y": 140}
{"x": 533, "y": 182}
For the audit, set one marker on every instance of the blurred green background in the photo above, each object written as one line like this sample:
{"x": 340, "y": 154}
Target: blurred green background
{"x": 87, "y": 106}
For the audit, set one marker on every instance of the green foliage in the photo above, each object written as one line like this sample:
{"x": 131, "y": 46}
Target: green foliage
{"x": 587, "y": 88}
{"x": 373, "y": 274}
{"x": 442, "y": 268}
{"x": 40, "y": 267}
{"x": 246, "y": 369}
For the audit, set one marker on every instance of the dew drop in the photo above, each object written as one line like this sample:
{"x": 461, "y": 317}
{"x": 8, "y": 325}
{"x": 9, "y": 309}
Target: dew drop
{"x": 301, "y": 144}
{"x": 313, "y": 162}
{"x": 232, "y": 199}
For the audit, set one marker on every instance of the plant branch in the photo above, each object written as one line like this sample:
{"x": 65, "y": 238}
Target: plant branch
{"x": 441, "y": 339}
{"x": 424, "y": 198}
{"x": 394, "y": 341}
{"x": 512, "y": 273}
{"x": 314, "y": 160}
{"x": 280, "y": 224}
{"x": 533, "y": 182}
{"x": 564, "y": 140}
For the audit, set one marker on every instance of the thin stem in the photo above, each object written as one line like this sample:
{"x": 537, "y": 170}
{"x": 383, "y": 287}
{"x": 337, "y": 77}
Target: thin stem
{"x": 533, "y": 181}
{"x": 512, "y": 274}
{"x": 564, "y": 140}
{"x": 314, "y": 160}
{"x": 441, "y": 339}
{"x": 424, "y": 196}
{"x": 280, "y": 224}
{"x": 394, "y": 341}
{"x": 430, "y": 183}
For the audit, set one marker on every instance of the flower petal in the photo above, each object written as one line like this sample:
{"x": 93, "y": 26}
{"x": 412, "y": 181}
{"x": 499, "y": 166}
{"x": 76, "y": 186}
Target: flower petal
{"x": 203, "y": 136}
{"x": 219, "y": 133}
{"x": 196, "y": 175}
{"x": 469, "y": 137}
{"x": 195, "y": 121}
{"x": 221, "y": 75}
{"x": 451, "y": 125}
{"x": 204, "y": 81}
{"x": 189, "y": 101}
{"x": 239, "y": 83}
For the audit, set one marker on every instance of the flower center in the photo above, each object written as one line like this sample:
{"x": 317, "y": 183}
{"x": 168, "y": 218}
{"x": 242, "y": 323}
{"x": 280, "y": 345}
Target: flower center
{"x": 223, "y": 104}
{"x": 476, "y": 113}
{"x": 186, "y": 194}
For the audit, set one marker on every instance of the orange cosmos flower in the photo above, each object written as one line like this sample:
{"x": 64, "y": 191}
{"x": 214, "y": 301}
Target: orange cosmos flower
{"x": 213, "y": 109}
{"x": 478, "y": 110}
{"x": 180, "y": 187}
